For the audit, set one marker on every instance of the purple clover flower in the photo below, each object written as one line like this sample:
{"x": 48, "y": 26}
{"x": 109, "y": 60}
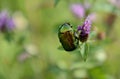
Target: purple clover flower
{"x": 6, "y": 22}
{"x": 84, "y": 30}
{"x": 78, "y": 10}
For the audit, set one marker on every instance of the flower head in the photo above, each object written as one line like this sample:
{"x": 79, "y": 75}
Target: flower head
{"x": 6, "y": 22}
{"x": 78, "y": 10}
{"x": 84, "y": 30}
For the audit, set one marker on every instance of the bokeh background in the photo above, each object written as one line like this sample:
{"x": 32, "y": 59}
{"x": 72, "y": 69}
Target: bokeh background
{"x": 33, "y": 50}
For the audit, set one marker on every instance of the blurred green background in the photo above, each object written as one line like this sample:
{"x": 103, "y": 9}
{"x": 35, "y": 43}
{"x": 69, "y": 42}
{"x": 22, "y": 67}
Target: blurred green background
{"x": 35, "y": 55}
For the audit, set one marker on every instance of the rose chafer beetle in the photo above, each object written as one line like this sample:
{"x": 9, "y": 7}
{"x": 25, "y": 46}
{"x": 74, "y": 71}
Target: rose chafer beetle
{"x": 67, "y": 37}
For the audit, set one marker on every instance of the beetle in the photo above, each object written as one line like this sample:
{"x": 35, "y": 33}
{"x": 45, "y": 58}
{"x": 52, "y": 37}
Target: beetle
{"x": 67, "y": 37}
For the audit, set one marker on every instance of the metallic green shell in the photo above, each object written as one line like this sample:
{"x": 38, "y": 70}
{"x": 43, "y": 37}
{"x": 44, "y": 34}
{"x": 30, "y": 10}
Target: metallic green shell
{"x": 67, "y": 37}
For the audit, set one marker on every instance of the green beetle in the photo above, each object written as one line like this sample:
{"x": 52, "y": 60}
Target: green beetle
{"x": 67, "y": 37}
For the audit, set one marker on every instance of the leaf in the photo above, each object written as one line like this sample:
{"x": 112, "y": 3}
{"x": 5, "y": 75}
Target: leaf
{"x": 92, "y": 34}
{"x": 21, "y": 40}
{"x": 60, "y": 48}
{"x": 56, "y": 2}
{"x": 84, "y": 49}
{"x": 9, "y": 36}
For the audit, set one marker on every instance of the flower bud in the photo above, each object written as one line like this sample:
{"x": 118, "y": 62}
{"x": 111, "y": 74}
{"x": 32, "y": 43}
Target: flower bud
{"x": 101, "y": 36}
{"x": 84, "y": 30}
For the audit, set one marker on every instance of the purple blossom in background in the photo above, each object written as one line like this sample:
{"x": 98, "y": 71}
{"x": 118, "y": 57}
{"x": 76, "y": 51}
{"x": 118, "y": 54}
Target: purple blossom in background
{"x": 115, "y": 3}
{"x": 23, "y": 56}
{"x": 78, "y": 10}
{"x": 6, "y": 22}
{"x": 87, "y": 5}
{"x": 84, "y": 30}
{"x": 93, "y": 17}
